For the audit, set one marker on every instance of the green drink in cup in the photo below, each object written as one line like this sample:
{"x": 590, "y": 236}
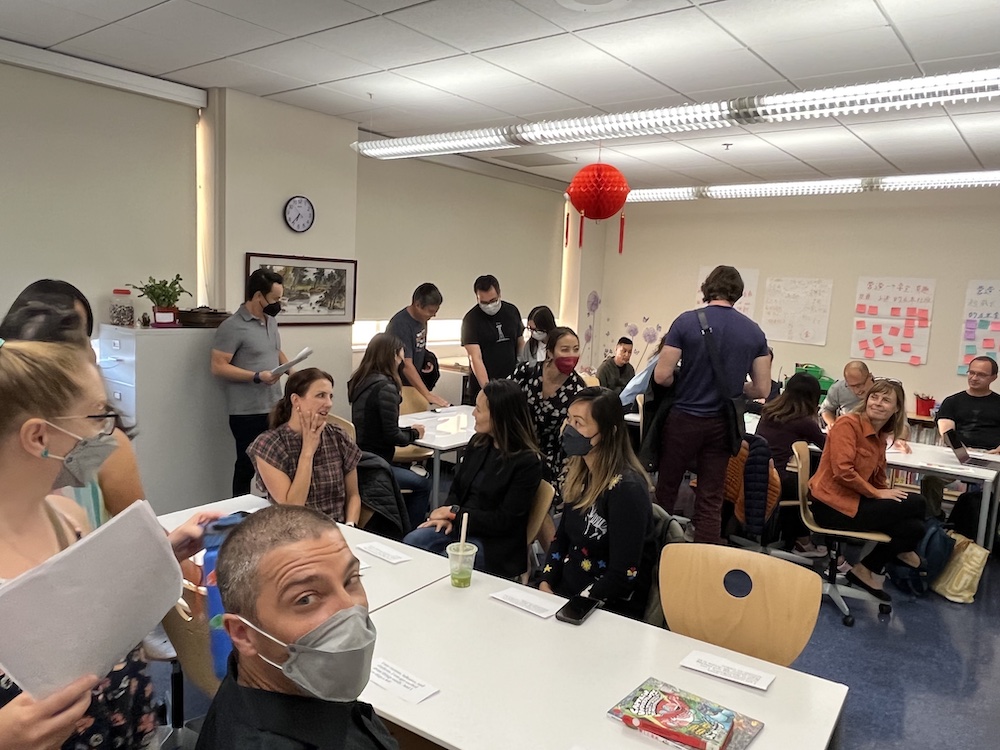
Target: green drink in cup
{"x": 461, "y": 557}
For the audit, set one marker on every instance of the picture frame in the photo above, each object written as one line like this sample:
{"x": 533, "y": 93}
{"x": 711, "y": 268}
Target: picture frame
{"x": 318, "y": 291}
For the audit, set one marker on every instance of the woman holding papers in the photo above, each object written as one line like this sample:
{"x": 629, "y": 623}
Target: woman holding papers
{"x": 55, "y": 430}
{"x": 850, "y": 489}
{"x": 495, "y": 485}
{"x": 604, "y": 547}
{"x": 304, "y": 460}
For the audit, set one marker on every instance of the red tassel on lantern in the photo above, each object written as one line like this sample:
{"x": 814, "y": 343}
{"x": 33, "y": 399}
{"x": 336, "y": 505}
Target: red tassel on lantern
{"x": 598, "y": 191}
{"x": 621, "y": 234}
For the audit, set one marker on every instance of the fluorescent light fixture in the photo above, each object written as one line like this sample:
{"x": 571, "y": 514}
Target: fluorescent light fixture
{"x": 656, "y": 195}
{"x": 935, "y": 181}
{"x": 829, "y": 102}
{"x": 777, "y": 189}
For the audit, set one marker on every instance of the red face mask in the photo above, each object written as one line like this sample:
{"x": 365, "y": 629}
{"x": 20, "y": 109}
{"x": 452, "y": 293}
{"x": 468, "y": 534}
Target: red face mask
{"x": 566, "y": 365}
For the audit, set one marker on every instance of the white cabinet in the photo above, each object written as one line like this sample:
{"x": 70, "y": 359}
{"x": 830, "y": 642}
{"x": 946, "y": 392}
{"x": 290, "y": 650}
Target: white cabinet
{"x": 160, "y": 379}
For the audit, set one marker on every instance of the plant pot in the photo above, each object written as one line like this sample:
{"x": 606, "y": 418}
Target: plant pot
{"x": 165, "y": 317}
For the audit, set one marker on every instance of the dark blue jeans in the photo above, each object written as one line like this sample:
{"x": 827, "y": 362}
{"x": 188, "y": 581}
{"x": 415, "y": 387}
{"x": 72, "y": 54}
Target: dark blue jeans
{"x": 417, "y": 500}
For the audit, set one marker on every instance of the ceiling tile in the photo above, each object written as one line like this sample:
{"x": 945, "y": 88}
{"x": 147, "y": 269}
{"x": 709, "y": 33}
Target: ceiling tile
{"x": 382, "y": 43}
{"x": 757, "y": 22}
{"x": 852, "y": 78}
{"x": 980, "y": 132}
{"x": 320, "y": 99}
{"x": 572, "y": 20}
{"x": 389, "y": 90}
{"x": 908, "y": 10}
{"x": 932, "y": 161}
{"x": 685, "y": 34}
{"x": 784, "y": 171}
{"x": 894, "y": 115}
{"x": 742, "y": 149}
{"x": 952, "y": 35}
{"x": 832, "y": 141}
{"x": 305, "y": 61}
{"x": 531, "y": 100}
{"x": 106, "y": 10}
{"x": 833, "y": 53}
{"x": 961, "y": 64}
{"x": 721, "y": 174}
{"x": 557, "y": 62}
{"x": 838, "y": 168}
{"x": 735, "y": 69}
{"x": 465, "y": 75}
{"x": 473, "y": 25}
{"x": 291, "y": 17}
{"x": 385, "y": 6}
{"x": 666, "y": 154}
{"x": 932, "y": 143}
{"x": 133, "y": 50}
{"x": 43, "y": 24}
{"x": 231, "y": 73}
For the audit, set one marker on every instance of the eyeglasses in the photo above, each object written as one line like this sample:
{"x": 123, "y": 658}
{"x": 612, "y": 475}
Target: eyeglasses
{"x": 890, "y": 380}
{"x": 109, "y": 420}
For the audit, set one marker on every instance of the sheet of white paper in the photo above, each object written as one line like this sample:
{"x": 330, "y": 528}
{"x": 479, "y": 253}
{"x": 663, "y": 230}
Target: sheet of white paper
{"x": 282, "y": 369}
{"x": 537, "y": 605}
{"x": 400, "y": 683}
{"x": 382, "y": 552}
{"x": 81, "y": 611}
{"x": 718, "y": 666}
{"x": 363, "y": 564}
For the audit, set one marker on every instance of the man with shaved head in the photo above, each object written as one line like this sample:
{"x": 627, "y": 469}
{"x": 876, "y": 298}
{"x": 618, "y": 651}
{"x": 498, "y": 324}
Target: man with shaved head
{"x": 847, "y": 393}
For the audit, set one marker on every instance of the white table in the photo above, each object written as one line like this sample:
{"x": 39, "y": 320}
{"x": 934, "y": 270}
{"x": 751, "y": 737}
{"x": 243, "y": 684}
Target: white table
{"x": 508, "y": 679}
{"x": 445, "y": 430}
{"x": 941, "y": 461}
{"x": 384, "y": 582}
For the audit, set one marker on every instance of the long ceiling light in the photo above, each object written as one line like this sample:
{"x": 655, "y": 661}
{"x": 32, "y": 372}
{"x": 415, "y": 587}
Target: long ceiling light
{"x": 829, "y": 102}
{"x": 819, "y": 187}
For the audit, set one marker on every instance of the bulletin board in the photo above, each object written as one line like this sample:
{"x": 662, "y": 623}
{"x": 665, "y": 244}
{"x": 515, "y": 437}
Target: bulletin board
{"x": 797, "y": 310}
{"x": 981, "y": 322}
{"x": 892, "y": 319}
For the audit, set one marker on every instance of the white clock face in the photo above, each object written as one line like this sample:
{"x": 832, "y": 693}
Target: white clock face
{"x": 299, "y": 213}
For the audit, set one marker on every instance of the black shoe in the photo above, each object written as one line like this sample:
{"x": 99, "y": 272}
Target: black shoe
{"x": 877, "y": 593}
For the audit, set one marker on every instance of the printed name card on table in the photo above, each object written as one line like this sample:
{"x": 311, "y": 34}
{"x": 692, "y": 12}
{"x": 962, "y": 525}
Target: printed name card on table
{"x": 981, "y": 323}
{"x": 893, "y": 319}
{"x": 529, "y": 601}
{"x": 718, "y": 666}
{"x": 383, "y": 552}
{"x": 400, "y": 683}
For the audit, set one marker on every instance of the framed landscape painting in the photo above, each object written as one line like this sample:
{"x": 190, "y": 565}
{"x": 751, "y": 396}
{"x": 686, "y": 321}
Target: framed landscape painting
{"x": 318, "y": 291}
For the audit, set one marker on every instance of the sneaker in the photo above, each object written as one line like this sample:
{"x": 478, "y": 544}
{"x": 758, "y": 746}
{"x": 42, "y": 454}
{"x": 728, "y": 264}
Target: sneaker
{"x": 809, "y": 550}
{"x": 418, "y": 469}
{"x": 157, "y": 646}
{"x": 843, "y": 567}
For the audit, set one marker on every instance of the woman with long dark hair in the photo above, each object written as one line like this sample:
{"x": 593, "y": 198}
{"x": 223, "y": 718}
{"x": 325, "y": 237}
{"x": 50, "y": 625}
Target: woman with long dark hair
{"x": 374, "y": 391}
{"x": 495, "y": 484}
{"x": 304, "y": 460}
{"x": 541, "y": 322}
{"x": 791, "y": 417}
{"x": 604, "y": 546}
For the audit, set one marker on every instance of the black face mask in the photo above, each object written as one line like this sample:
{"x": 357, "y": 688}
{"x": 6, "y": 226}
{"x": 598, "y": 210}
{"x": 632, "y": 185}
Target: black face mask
{"x": 575, "y": 444}
{"x": 273, "y": 309}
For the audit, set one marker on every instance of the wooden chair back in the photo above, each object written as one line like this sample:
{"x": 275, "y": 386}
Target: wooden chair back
{"x": 413, "y": 402}
{"x": 640, "y": 402}
{"x": 345, "y": 424}
{"x": 191, "y": 642}
{"x": 590, "y": 380}
{"x": 772, "y": 622}
{"x": 539, "y": 508}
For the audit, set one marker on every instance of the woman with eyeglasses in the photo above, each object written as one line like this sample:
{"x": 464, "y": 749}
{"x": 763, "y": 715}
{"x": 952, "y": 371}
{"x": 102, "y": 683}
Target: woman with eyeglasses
{"x": 604, "y": 547}
{"x": 54, "y": 411}
{"x": 851, "y": 491}
{"x": 541, "y": 321}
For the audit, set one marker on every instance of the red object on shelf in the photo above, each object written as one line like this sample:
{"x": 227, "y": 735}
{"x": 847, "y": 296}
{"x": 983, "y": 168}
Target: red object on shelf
{"x": 924, "y": 406}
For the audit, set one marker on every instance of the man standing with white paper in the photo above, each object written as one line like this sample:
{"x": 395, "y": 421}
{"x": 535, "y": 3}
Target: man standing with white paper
{"x": 302, "y": 639}
{"x": 246, "y": 350}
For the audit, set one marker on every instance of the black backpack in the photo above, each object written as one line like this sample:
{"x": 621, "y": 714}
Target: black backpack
{"x": 935, "y": 549}
{"x": 964, "y": 518}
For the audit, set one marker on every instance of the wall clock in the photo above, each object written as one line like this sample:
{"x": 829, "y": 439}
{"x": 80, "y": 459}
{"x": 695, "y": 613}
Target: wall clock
{"x": 299, "y": 213}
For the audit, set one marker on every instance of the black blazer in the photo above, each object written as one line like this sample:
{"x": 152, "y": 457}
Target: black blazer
{"x": 499, "y": 510}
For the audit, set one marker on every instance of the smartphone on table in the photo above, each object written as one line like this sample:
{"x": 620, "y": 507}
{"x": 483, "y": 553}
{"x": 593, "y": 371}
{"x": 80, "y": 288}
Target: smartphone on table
{"x": 578, "y": 609}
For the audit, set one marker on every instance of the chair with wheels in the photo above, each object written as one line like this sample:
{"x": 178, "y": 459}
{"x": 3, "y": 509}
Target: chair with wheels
{"x": 832, "y": 586}
{"x": 752, "y": 603}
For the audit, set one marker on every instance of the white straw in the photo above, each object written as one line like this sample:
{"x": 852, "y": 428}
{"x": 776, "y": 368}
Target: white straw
{"x": 465, "y": 528}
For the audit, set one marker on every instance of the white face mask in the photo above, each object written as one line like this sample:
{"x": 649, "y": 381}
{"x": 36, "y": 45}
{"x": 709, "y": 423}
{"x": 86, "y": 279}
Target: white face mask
{"x": 491, "y": 308}
{"x": 333, "y": 661}
{"x": 539, "y": 335}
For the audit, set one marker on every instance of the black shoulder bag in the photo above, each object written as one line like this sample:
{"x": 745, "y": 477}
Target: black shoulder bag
{"x": 732, "y": 407}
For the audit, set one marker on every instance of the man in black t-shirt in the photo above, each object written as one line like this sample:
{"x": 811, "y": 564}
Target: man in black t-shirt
{"x": 974, "y": 414}
{"x": 409, "y": 325}
{"x": 491, "y": 334}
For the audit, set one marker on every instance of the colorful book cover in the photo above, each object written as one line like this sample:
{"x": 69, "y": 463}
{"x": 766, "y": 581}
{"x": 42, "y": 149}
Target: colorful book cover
{"x": 744, "y": 730}
{"x": 666, "y": 712}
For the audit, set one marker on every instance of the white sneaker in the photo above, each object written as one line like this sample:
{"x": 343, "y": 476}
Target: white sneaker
{"x": 418, "y": 469}
{"x": 810, "y": 550}
{"x": 157, "y": 646}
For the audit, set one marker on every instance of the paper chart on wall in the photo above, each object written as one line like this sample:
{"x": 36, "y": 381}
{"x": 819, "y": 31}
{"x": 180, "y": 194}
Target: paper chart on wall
{"x": 797, "y": 310}
{"x": 980, "y": 332}
{"x": 747, "y": 302}
{"x": 892, "y": 319}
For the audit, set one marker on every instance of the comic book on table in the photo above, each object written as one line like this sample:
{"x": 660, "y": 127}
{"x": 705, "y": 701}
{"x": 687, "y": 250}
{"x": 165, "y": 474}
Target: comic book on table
{"x": 682, "y": 720}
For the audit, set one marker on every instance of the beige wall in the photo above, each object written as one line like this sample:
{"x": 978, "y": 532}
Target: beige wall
{"x": 76, "y": 198}
{"x": 948, "y": 236}
{"x": 270, "y": 152}
{"x": 425, "y": 222}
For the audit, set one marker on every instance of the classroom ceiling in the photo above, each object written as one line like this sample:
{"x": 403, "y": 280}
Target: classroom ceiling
{"x": 408, "y": 67}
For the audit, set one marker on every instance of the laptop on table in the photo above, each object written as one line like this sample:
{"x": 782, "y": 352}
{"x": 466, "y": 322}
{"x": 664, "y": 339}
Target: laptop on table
{"x": 962, "y": 453}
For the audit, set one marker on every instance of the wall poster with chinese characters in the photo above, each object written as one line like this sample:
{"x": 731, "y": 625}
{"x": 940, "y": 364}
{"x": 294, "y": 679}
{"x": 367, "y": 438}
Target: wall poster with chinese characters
{"x": 980, "y": 323}
{"x": 747, "y": 302}
{"x": 892, "y": 319}
{"x": 797, "y": 310}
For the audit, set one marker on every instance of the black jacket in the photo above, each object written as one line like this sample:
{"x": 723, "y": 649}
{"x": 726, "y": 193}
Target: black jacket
{"x": 380, "y": 492}
{"x": 498, "y": 505}
{"x": 375, "y": 413}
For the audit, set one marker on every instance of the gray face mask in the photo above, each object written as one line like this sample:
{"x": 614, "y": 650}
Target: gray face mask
{"x": 491, "y": 308}
{"x": 333, "y": 661}
{"x": 80, "y": 465}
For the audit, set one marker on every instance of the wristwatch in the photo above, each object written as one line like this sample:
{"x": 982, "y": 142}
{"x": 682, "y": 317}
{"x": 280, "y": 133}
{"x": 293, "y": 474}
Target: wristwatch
{"x": 454, "y": 509}
{"x": 256, "y": 377}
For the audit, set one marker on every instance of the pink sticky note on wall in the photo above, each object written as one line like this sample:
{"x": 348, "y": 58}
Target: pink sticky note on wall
{"x": 877, "y": 328}
{"x": 894, "y": 331}
{"x": 887, "y": 351}
{"x": 907, "y": 333}
{"x": 989, "y": 344}
{"x": 914, "y": 360}
{"x": 877, "y": 341}
{"x": 995, "y": 325}
{"x": 923, "y": 323}
{"x": 859, "y": 324}
{"x": 860, "y": 308}
{"x": 863, "y": 344}
{"x": 896, "y": 312}
{"x": 911, "y": 312}
{"x": 873, "y": 309}
{"x": 968, "y": 358}
{"x": 905, "y": 348}
{"x": 922, "y": 313}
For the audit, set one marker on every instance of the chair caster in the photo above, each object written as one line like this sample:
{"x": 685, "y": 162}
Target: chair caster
{"x": 849, "y": 620}
{"x": 884, "y": 609}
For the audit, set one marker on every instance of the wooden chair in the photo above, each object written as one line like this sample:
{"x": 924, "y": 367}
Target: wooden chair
{"x": 590, "y": 380}
{"x": 832, "y": 588}
{"x": 640, "y": 401}
{"x": 345, "y": 424}
{"x": 772, "y": 622}
{"x": 539, "y": 509}
{"x": 412, "y": 403}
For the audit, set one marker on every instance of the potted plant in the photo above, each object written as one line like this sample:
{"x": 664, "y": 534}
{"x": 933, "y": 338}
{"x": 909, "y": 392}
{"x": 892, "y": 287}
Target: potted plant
{"x": 164, "y": 295}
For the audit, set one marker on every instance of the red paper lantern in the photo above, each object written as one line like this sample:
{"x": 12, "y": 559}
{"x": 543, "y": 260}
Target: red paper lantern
{"x": 598, "y": 191}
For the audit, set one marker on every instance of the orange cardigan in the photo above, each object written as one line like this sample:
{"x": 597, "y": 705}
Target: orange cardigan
{"x": 852, "y": 465}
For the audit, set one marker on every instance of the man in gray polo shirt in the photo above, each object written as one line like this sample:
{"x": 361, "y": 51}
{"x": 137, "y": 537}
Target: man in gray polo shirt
{"x": 247, "y": 347}
{"x": 845, "y": 394}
